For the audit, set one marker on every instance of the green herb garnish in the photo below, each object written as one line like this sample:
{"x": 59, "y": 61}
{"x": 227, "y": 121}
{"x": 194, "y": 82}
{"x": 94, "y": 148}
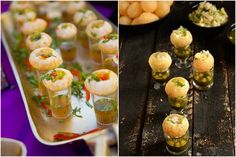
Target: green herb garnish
{"x": 94, "y": 77}
{"x": 178, "y": 83}
{"x": 32, "y": 79}
{"x": 35, "y": 36}
{"x": 112, "y": 36}
{"x": 77, "y": 88}
{"x": 94, "y": 34}
{"x": 75, "y": 112}
{"x": 53, "y": 75}
{"x": 88, "y": 104}
{"x": 64, "y": 26}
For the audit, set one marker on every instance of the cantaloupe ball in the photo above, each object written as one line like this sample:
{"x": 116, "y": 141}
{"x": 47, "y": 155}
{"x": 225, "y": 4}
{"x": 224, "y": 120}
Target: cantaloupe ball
{"x": 149, "y": 6}
{"x": 134, "y": 10}
{"x": 124, "y": 20}
{"x": 147, "y": 17}
{"x": 162, "y": 9}
{"x": 123, "y": 5}
{"x": 135, "y": 21}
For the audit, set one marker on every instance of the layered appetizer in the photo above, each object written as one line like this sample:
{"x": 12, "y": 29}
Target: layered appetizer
{"x": 203, "y": 70}
{"x": 176, "y": 131}
{"x": 181, "y": 39}
{"x": 160, "y": 63}
{"x": 96, "y": 30}
{"x": 42, "y": 60}
{"x": 177, "y": 91}
{"x": 103, "y": 85}
{"x": 38, "y": 40}
{"x": 66, "y": 34}
{"x": 82, "y": 18}
{"x": 58, "y": 83}
{"x": 109, "y": 48}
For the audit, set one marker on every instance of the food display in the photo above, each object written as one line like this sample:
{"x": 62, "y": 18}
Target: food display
{"x": 176, "y": 131}
{"x": 103, "y": 85}
{"x": 207, "y": 15}
{"x": 58, "y": 83}
{"x": 177, "y": 91}
{"x": 203, "y": 70}
{"x": 142, "y": 12}
{"x": 96, "y": 30}
{"x": 42, "y": 60}
{"x": 160, "y": 63}
{"x": 181, "y": 39}
{"x": 109, "y": 46}
{"x": 43, "y": 41}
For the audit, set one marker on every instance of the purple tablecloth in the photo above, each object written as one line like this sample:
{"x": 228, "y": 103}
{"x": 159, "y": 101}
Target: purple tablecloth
{"x": 14, "y": 120}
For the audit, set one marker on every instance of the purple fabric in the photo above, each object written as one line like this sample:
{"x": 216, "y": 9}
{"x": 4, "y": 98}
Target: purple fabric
{"x": 14, "y": 120}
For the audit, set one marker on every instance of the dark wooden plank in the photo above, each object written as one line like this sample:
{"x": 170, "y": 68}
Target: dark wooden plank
{"x": 230, "y": 63}
{"x": 212, "y": 117}
{"x": 133, "y": 85}
{"x": 153, "y": 141}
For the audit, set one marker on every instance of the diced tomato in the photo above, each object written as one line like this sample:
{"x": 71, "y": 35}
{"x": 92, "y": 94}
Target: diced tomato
{"x": 27, "y": 63}
{"x": 87, "y": 94}
{"x": 44, "y": 105}
{"x": 75, "y": 72}
{"x": 103, "y": 76}
{"x": 54, "y": 74}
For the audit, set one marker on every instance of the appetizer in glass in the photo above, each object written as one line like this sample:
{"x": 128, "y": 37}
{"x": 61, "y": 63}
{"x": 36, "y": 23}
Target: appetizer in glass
{"x": 96, "y": 30}
{"x": 82, "y": 18}
{"x": 109, "y": 48}
{"x": 73, "y": 7}
{"x": 207, "y": 15}
{"x": 181, "y": 40}
{"x": 176, "y": 132}
{"x": 22, "y": 12}
{"x": 38, "y": 40}
{"x": 160, "y": 63}
{"x": 35, "y": 26}
{"x": 66, "y": 34}
{"x": 203, "y": 70}
{"x": 58, "y": 83}
{"x": 177, "y": 91}
{"x": 42, "y": 60}
{"x": 103, "y": 85}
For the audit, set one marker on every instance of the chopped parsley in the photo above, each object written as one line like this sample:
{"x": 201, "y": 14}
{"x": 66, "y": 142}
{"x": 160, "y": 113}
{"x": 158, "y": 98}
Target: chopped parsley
{"x": 53, "y": 75}
{"x": 64, "y": 26}
{"x": 77, "y": 88}
{"x": 112, "y": 36}
{"x": 76, "y": 112}
{"x": 178, "y": 83}
{"x": 35, "y": 36}
{"x": 33, "y": 81}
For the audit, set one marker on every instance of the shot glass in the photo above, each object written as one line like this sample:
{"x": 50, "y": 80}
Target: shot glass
{"x": 66, "y": 33}
{"x": 96, "y": 30}
{"x": 203, "y": 70}
{"x": 81, "y": 19}
{"x": 102, "y": 85}
{"x": 181, "y": 39}
{"x": 109, "y": 48}
{"x": 177, "y": 91}
{"x": 160, "y": 63}
{"x": 42, "y": 60}
{"x": 176, "y": 132}
{"x": 58, "y": 83}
